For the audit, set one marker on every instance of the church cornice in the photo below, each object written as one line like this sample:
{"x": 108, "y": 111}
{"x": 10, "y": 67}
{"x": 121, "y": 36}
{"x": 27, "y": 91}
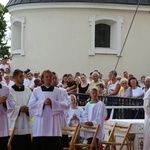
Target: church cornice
{"x": 76, "y": 5}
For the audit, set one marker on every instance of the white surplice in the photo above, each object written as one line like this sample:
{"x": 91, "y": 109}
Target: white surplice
{"x": 20, "y": 120}
{"x": 147, "y": 121}
{"x": 95, "y": 113}
{"x": 10, "y": 105}
{"x": 47, "y": 119}
{"x": 78, "y": 112}
{"x": 66, "y": 101}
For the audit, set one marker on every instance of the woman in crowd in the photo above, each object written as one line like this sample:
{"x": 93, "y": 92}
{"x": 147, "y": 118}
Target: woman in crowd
{"x": 82, "y": 88}
{"x": 124, "y": 87}
{"x": 134, "y": 90}
{"x": 83, "y": 85}
{"x": 64, "y": 82}
{"x": 9, "y": 83}
{"x": 113, "y": 88}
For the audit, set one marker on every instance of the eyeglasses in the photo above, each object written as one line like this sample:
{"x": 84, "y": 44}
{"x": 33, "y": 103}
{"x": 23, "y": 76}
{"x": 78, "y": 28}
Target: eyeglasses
{"x": 124, "y": 83}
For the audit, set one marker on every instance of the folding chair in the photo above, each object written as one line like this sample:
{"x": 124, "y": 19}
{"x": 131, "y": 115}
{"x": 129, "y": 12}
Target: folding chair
{"x": 86, "y": 129}
{"x": 70, "y": 131}
{"x": 119, "y": 137}
{"x": 11, "y": 133}
{"x": 108, "y": 131}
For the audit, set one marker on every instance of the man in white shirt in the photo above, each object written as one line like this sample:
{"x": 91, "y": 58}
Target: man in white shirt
{"x": 3, "y": 64}
{"x": 31, "y": 79}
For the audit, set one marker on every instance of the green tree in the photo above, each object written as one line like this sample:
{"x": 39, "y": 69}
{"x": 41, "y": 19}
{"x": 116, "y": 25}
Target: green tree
{"x": 4, "y": 49}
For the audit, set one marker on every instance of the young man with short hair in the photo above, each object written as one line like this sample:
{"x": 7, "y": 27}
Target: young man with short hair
{"x": 20, "y": 117}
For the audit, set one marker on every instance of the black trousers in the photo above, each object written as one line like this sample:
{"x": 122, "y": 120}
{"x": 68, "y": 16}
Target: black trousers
{"x": 3, "y": 142}
{"x": 65, "y": 140}
{"x": 47, "y": 143}
{"x": 21, "y": 142}
{"x": 90, "y": 141}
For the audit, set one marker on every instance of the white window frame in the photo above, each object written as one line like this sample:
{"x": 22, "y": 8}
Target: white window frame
{"x": 21, "y": 22}
{"x": 115, "y": 23}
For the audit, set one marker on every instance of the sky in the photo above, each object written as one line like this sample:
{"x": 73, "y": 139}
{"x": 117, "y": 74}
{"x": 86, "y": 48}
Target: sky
{"x": 7, "y": 18}
{"x": 4, "y": 2}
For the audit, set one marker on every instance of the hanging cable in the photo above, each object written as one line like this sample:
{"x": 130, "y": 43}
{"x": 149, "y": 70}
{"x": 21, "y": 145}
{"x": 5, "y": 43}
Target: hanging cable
{"x": 127, "y": 35}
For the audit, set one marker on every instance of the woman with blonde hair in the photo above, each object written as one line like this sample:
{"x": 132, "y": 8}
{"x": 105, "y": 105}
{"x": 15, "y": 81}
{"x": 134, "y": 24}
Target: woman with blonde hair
{"x": 75, "y": 113}
{"x": 124, "y": 87}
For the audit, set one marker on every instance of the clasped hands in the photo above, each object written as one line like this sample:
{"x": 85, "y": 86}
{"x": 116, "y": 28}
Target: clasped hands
{"x": 74, "y": 117}
{"x": 3, "y": 99}
{"x": 24, "y": 109}
{"x": 48, "y": 102}
{"x": 89, "y": 123}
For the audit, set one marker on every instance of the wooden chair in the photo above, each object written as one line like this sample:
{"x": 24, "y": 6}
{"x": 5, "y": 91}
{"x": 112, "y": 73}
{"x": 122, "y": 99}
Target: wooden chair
{"x": 11, "y": 133}
{"x": 86, "y": 129}
{"x": 70, "y": 131}
{"x": 108, "y": 131}
{"x": 119, "y": 137}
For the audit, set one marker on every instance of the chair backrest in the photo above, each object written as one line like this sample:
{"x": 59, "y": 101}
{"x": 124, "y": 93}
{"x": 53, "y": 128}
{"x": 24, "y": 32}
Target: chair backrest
{"x": 121, "y": 132}
{"x": 88, "y": 129}
{"x": 118, "y": 135}
{"x": 109, "y": 130}
{"x": 71, "y": 131}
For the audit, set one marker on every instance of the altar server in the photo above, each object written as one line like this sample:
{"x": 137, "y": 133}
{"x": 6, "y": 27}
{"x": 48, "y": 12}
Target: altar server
{"x": 147, "y": 121}
{"x": 20, "y": 117}
{"x": 94, "y": 114}
{"x": 75, "y": 113}
{"x": 7, "y": 104}
{"x": 66, "y": 100}
{"x": 48, "y": 110}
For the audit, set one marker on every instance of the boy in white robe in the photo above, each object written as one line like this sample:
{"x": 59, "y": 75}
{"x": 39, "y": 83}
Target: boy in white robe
{"x": 48, "y": 110}
{"x": 20, "y": 116}
{"x": 95, "y": 113}
{"x": 147, "y": 121}
{"x": 7, "y": 104}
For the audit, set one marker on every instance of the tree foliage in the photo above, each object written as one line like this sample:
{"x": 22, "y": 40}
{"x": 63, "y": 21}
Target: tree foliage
{"x": 4, "y": 49}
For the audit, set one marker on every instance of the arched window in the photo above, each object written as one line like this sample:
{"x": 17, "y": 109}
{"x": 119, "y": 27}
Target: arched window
{"x": 102, "y": 35}
{"x": 105, "y": 34}
{"x": 17, "y": 38}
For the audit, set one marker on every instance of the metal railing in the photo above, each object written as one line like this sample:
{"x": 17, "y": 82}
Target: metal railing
{"x": 117, "y": 107}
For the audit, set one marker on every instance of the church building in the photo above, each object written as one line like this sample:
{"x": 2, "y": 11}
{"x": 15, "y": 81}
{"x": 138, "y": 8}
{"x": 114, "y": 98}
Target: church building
{"x": 68, "y": 36}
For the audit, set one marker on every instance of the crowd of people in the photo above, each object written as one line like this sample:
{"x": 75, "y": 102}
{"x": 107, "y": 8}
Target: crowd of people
{"x": 41, "y": 105}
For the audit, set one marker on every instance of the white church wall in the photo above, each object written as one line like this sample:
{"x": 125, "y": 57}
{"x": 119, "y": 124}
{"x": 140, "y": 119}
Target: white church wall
{"x": 60, "y": 39}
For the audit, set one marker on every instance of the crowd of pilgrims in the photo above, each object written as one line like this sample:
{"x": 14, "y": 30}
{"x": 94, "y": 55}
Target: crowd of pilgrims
{"x": 39, "y": 105}
{"x": 125, "y": 86}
